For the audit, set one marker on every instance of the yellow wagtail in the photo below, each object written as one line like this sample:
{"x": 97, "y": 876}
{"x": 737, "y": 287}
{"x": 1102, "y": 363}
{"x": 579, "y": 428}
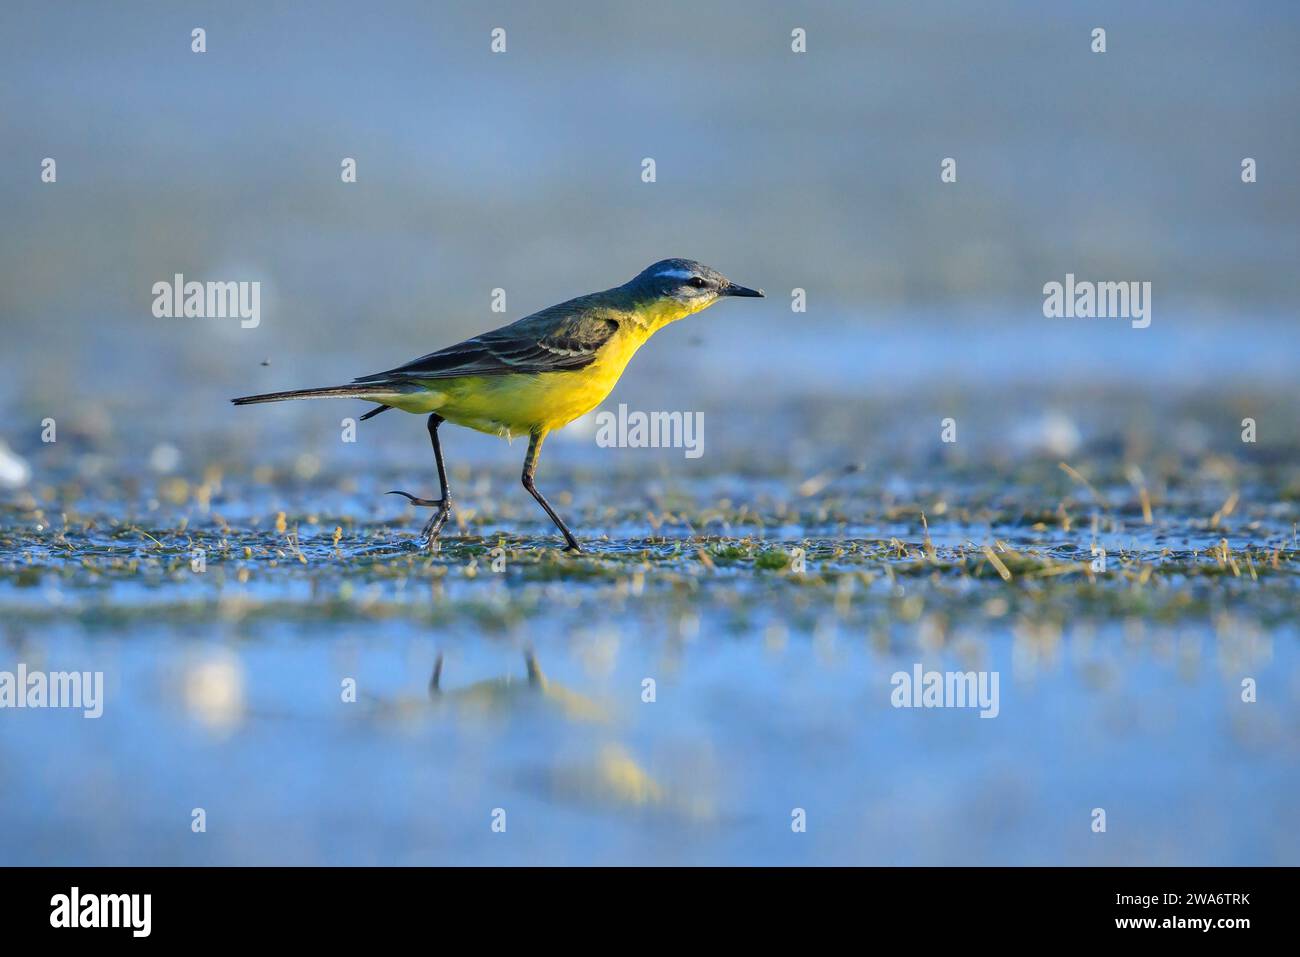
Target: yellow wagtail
{"x": 534, "y": 375}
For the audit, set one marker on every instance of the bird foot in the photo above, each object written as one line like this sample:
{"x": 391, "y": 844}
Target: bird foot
{"x": 434, "y": 526}
{"x": 431, "y": 502}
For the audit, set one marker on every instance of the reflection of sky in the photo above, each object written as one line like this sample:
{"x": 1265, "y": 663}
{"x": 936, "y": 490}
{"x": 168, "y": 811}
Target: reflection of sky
{"x": 741, "y": 733}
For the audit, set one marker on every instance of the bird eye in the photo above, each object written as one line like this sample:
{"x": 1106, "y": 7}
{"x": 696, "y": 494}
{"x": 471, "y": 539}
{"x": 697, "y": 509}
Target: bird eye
{"x": 697, "y": 282}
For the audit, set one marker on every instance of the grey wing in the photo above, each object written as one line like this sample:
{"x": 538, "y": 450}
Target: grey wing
{"x": 563, "y": 337}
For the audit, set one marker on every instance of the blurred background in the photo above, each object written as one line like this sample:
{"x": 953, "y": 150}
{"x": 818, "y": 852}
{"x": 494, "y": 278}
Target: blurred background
{"x": 817, "y": 171}
{"x": 522, "y": 171}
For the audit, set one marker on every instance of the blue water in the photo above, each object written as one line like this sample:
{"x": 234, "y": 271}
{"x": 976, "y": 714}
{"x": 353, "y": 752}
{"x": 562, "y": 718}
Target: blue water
{"x": 743, "y": 731}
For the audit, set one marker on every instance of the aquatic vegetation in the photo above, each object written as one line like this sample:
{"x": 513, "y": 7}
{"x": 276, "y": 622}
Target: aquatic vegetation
{"x": 719, "y": 654}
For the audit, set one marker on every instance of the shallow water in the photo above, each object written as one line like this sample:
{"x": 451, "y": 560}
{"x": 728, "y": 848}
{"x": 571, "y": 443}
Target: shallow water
{"x": 1119, "y": 688}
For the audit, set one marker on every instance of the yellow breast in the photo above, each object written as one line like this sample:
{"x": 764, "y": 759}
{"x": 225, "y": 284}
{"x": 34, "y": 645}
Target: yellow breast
{"x": 519, "y": 404}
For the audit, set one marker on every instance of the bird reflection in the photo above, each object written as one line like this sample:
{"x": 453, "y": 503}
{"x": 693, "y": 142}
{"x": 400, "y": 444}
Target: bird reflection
{"x": 606, "y": 777}
{"x": 613, "y": 780}
{"x": 502, "y": 696}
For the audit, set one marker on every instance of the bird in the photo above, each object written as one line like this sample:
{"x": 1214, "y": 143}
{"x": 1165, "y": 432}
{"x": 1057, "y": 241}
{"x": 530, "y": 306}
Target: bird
{"x": 535, "y": 375}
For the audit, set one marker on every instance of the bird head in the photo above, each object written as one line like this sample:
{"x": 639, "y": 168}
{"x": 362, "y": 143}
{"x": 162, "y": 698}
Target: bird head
{"x": 684, "y": 286}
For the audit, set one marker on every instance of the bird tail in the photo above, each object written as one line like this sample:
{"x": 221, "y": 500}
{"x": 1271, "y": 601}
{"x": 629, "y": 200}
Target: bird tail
{"x": 366, "y": 392}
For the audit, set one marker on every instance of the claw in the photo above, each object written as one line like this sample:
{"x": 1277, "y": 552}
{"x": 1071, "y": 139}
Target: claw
{"x": 429, "y": 502}
{"x": 434, "y": 525}
{"x": 439, "y": 519}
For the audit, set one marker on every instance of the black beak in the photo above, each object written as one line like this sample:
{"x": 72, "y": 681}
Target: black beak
{"x": 731, "y": 289}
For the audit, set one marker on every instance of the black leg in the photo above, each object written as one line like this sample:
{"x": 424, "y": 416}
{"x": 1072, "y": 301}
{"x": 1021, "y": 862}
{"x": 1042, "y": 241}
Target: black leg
{"x": 443, "y": 504}
{"x": 530, "y": 466}
{"x": 435, "y": 682}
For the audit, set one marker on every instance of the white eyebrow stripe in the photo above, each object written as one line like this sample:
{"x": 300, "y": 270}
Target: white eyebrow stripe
{"x": 675, "y": 273}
